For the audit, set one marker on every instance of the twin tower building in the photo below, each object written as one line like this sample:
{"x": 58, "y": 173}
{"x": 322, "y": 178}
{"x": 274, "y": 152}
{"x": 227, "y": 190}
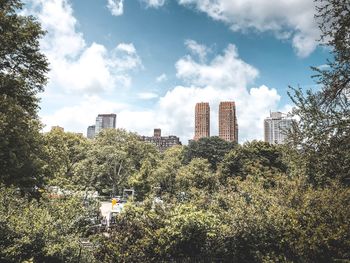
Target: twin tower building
{"x": 228, "y": 127}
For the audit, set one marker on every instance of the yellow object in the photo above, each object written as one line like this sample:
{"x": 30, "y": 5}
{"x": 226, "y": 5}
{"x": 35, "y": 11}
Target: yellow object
{"x": 114, "y": 202}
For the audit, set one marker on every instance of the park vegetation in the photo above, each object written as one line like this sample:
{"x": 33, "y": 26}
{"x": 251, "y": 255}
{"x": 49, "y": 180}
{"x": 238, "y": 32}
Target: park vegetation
{"x": 209, "y": 201}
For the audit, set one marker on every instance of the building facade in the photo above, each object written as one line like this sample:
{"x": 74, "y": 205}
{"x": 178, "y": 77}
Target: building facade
{"x": 105, "y": 121}
{"x": 91, "y": 132}
{"x": 162, "y": 142}
{"x": 57, "y": 128}
{"x": 202, "y": 121}
{"x": 228, "y": 127}
{"x": 276, "y": 127}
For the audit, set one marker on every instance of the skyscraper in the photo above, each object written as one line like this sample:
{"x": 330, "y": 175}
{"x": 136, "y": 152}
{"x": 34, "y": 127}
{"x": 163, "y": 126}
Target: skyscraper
{"x": 202, "y": 120}
{"x": 228, "y": 127}
{"x": 275, "y": 127}
{"x": 91, "y": 132}
{"x": 105, "y": 121}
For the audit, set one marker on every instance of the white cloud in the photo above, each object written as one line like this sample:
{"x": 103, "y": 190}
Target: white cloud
{"x": 147, "y": 95}
{"x": 128, "y": 48}
{"x": 83, "y": 114}
{"x": 56, "y": 17}
{"x": 323, "y": 67}
{"x": 154, "y": 3}
{"x": 142, "y": 121}
{"x": 76, "y": 67}
{"x": 286, "y": 18}
{"x": 85, "y": 69}
{"x": 197, "y": 49}
{"x": 116, "y": 7}
{"x": 161, "y": 78}
{"x": 225, "y": 78}
{"x": 223, "y": 70}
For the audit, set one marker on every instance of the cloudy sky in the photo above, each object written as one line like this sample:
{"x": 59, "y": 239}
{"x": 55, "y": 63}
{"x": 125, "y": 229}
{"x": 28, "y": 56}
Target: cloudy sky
{"x": 150, "y": 61}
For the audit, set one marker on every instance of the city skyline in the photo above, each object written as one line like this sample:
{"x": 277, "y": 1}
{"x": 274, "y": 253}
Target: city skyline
{"x": 274, "y": 126}
{"x": 102, "y": 60}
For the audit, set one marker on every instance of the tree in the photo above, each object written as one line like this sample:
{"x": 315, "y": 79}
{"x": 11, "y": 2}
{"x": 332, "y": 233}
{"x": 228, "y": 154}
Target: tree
{"x": 322, "y": 134}
{"x": 246, "y": 222}
{"x": 113, "y": 157}
{"x": 333, "y": 18}
{"x": 141, "y": 180}
{"x": 254, "y": 158}
{"x": 62, "y": 152}
{"x": 212, "y": 149}
{"x": 22, "y": 75}
{"x": 41, "y": 231}
{"x": 164, "y": 176}
{"x": 196, "y": 176}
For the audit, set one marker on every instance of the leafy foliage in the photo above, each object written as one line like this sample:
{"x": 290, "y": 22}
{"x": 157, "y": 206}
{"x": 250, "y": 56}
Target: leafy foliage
{"x": 248, "y": 223}
{"x": 22, "y": 74}
{"x": 211, "y": 148}
{"x": 254, "y": 158}
{"x": 62, "y": 153}
{"x": 322, "y": 133}
{"x": 333, "y": 18}
{"x": 209, "y": 201}
{"x": 45, "y": 231}
{"x": 113, "y": 157}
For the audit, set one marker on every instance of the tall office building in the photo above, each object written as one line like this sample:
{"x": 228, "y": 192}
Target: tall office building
{"x": 276, "y": 127}
{"x": 202, "y": 120}
{"x": 91, "y": 132}
{"x": 105, "y": 121}
{"x": 228, "y": 127}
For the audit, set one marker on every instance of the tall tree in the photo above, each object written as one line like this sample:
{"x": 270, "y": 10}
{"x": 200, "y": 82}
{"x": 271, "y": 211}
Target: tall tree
{"x": 322, "y": 135}
{"x": 113, "y": 157}
{"x": 212, "y": 149}
{"x": 23, "y": 71}
{"x": 254, "y": 158}
{"x": 333, "y": 18}
{"x": 62, "y": 152}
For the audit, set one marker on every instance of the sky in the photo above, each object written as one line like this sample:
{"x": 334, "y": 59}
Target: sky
{"x": 151, "y": 61}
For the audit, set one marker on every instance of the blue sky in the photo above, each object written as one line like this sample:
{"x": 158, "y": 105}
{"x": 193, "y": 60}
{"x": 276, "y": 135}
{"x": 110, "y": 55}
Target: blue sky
{"x": 150, "y": 61}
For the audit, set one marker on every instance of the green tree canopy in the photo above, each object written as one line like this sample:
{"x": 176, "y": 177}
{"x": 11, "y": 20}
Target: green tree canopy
{"x": 212, "y": 149}
{"x": 62, "y": 152}
{"x": 23, "y": 71}
{"x": 113, "y": 157}
{"x": 44, "y": 231}
{"x": 254, "y": 158}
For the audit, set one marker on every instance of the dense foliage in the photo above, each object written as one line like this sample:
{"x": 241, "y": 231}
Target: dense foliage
{"x": 210, "y": 201}
{"x": 22, "y": 75}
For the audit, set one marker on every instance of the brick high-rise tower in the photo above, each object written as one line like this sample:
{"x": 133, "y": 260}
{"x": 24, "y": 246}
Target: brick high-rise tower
{"x": 202, "y": 120}
{"x": 228, "y": 127}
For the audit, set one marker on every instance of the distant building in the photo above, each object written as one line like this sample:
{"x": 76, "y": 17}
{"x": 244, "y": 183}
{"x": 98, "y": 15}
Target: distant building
{"x": 157, "y": 133}
{"x": 105, "y": 121}
{"x": 57, "y": 128}
{"x": 276, "y": 127}
{"x": 162, "y": 142}
{"x": 228, "y": 127}
{"x": 202, "y": 121}
{"x": 91, "y": 132}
